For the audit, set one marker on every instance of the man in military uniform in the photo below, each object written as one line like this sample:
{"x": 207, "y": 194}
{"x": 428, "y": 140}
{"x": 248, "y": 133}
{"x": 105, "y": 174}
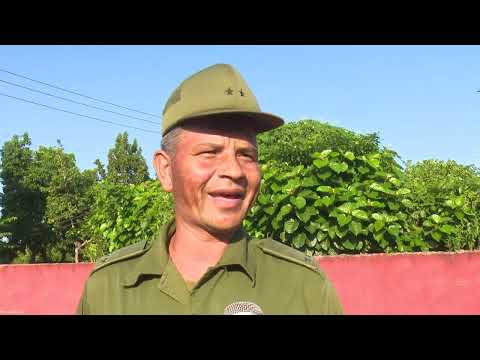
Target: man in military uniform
{"x": 203, "y": 261}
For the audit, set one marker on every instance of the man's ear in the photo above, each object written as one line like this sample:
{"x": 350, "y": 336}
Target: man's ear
{"x": 163, "y": 167}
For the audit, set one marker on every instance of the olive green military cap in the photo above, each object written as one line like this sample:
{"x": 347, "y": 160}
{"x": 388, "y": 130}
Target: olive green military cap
{"x": 219, "y": 92}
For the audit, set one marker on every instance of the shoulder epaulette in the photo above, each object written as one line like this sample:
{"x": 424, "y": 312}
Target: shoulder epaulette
{"x": 124, "y": 253}
{"x": 277, "y": 249}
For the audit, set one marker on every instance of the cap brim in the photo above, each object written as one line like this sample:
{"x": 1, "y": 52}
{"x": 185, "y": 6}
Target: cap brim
{"x": 259, "y": 121}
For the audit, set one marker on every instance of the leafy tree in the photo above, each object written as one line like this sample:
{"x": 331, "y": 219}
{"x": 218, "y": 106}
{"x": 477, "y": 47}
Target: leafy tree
{"x": 56, "y": 175}
{"x": 22, "y": 205}
{"x": 345, "y": 203}
{"x": 123, "y": 214}
{"x": 7, "y": 252}
{"x": 45, "y": 198}
{"x": 100, "y": 170}
{"x": 339, "y": 203}
{"x": 324, "y": 190}
{"x": 126, "y": 165}
{"x": 446, "y": 202}
{"x": 294, "y": 142}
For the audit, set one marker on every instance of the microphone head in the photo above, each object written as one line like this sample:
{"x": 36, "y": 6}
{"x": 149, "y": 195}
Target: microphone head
{"x": 243, "y": 308}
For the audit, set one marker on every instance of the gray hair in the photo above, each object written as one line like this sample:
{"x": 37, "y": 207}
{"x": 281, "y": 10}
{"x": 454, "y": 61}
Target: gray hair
{"x": 170, "y": 140}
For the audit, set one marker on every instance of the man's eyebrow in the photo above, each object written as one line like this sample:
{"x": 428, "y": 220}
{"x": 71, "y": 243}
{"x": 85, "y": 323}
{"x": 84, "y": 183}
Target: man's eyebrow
{"x": 248, "y": 148}
{"x": 218, "y": 145}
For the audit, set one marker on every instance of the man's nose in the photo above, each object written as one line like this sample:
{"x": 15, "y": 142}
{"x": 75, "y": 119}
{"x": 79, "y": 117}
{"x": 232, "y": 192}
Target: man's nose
{"x": 230, "y": 167}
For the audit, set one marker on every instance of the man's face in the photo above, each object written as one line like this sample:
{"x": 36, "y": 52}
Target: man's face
{"x": 215, "y": 176}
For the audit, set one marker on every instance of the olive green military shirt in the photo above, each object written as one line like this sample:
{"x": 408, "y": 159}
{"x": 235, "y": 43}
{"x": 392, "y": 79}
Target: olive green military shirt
{"x": 141, "y": 279}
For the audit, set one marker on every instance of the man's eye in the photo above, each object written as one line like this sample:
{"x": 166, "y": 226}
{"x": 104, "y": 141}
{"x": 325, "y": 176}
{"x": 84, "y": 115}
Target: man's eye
{"x": 249, "y": 156}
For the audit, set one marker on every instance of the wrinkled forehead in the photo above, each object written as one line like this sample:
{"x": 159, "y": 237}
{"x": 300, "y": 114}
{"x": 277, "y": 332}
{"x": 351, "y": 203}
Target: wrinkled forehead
{"x": 213, "y": 128}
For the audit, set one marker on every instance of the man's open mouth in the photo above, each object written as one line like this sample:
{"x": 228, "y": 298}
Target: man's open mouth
{"x": 234, "y": 195}
{"x": 229, "y": 196}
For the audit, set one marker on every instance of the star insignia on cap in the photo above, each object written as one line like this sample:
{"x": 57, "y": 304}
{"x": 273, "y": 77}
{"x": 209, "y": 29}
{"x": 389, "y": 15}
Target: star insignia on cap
{"x": 229, "y": 91}
{"x": 242, "y": 93}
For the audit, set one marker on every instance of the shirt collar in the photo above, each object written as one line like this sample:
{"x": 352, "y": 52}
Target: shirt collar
{"x": 155, "y": 259}
{"x": 237, "y": 253}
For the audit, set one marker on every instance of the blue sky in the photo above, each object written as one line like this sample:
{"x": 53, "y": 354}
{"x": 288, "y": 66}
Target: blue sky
{"x": 422, "y": 100}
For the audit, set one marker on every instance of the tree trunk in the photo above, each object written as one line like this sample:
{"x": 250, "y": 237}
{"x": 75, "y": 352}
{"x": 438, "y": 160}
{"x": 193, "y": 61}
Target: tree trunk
{"x": 45, "y": 255}
{"x": 77, "y": 251}
{"x": 33, "y": 256}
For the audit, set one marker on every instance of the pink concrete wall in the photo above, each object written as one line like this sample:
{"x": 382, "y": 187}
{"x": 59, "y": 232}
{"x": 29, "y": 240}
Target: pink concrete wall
{"x": 42, "y": 288}
{"x": 423, "y": 283}
{"x": 431, "y": 283}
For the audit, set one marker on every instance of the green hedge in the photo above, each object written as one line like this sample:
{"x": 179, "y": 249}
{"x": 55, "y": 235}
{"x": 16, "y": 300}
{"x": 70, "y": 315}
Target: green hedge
{"x": 452, "y": 191}
{"x": 343, "y": 203}
{"x": 340, "y": 203}
{"x": 124, "y": 214}
{"x": 293, "y": 142}
{"x": 324, "y": 190}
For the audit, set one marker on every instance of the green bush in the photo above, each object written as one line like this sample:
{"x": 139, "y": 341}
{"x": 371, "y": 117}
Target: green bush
{"x": 339, "y": 203}
{"x": 23, "y": 257}
{"x": 447, "y": 203}
{"x": 124, "y": 214}
{"x": 294, "y": 142}
{"x": 345, "y": 203}
{"x": 6, "y": 252}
